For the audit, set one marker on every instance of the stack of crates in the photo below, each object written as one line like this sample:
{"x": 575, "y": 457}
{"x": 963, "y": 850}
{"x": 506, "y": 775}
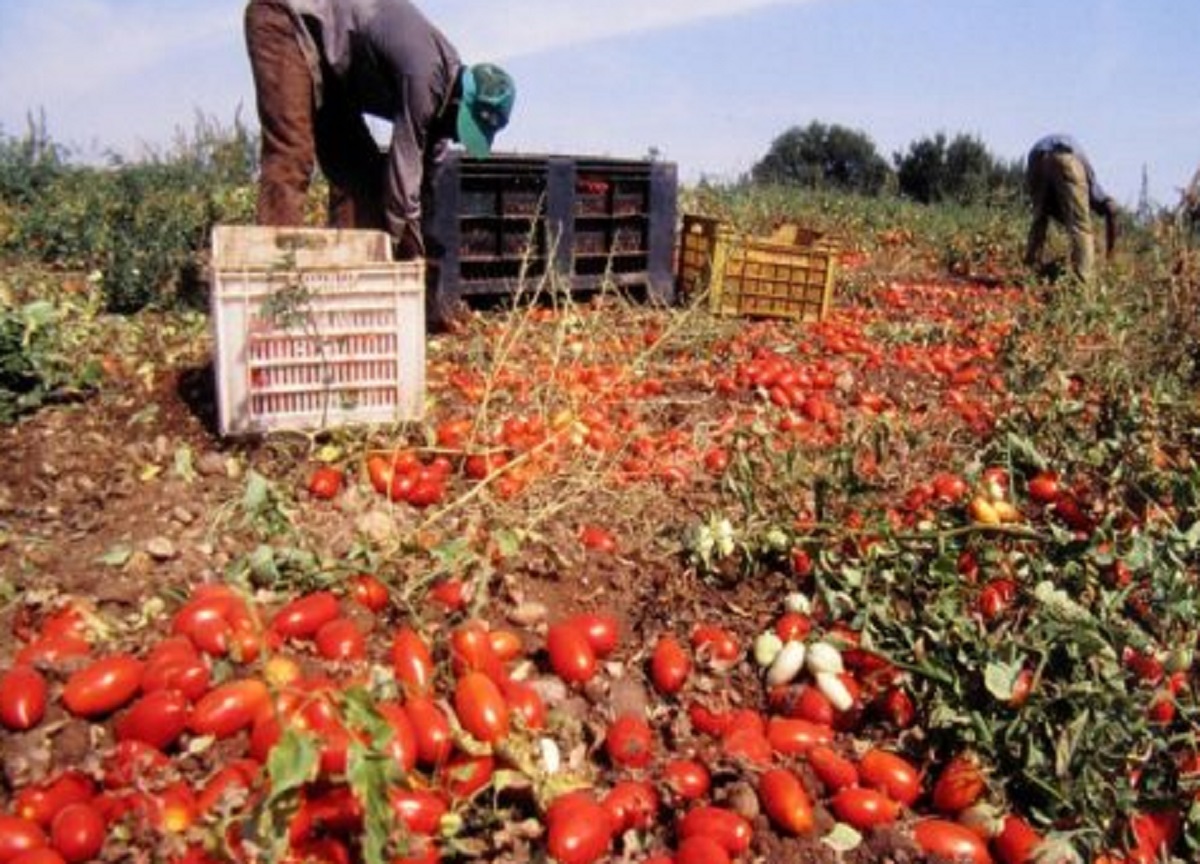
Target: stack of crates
{"x": 495, "y": 222}
{"x": 314, "y": 328}
{"x": 788, "y": 275}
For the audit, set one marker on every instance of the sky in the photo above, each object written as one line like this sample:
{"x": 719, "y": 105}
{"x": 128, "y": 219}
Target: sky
{"x": 706, "y": 84}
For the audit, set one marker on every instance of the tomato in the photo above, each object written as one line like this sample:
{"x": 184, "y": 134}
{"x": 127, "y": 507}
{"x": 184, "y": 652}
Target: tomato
{"x": 471, "y": 650}
{"x": 480, "y": 707}
{"x": 506, "y": 644}
{"x": 629, "y": 742}
{"x": 174, "y": 809}
{"x": 419, "y": 810}
{"x": 959, "y": 784}
{"x": 995, "y": 598}
{"x": 891, "y": 774}
{"x": 175, "y": 664}
{"x": 341, "y": 639}
{"x": 716, "y": 460}
{"x": 1017, "y": 842}
{"x": 793, "y": 627}
{"x": 897, "y": 707}
{"x": 103, "y": 686}
{"x": 463, "y": 774}
{"x": 670, "y": 665}
{"x": 700, "y": 849}
{"x": 746, "y": 743}
{"x": 325, "y": 482}
{"x": 601, "y": 630}
{"x": 40, "y": 803}
{"x": 578, "y": 829}
{"x": 525, "y": 702}
{"x": 228, "y": 708}
{"x": 453, "y": 434}
{"x": 450, "y": 594}
{"x": 435, "y": 738}
{"x": 304, "y": 616}
{"x": 832, "y": 769}
{"x": 950, "y": 841}
{"x": 23, "y": 692}
{"x": 1043, "y": 487}
{"x": 230, "y": 783}
{"x": 949, "y": 488}
{"x": 19, "y": 835}
{"x": 716, "y": 644}
{"x": 368, "y": 591}
{"x": 133, "y": 763}
{"x": 412, "y": 662}
{"x": 597, "y": 539}
{"x": 687, "y": 778}
{"x": 78, "y": 832}
{"x": 1154, "y": 833}
{"x": 52, "y": 650}
{"x": 785, "y": 801}
{"x": 805, "y": 702}
{"x": 792, "y": 736}
{"x": 631, "y": 804}
{"x": 157, "y": 719}
{"x": 864, "y": 808}
{"x": 41, "y": 855}
{"x": 571, "y": 654}
{"x": 729, "y": 829}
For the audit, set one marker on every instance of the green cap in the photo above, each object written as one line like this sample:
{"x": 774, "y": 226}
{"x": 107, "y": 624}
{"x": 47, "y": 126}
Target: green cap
{"x": 488, "y": 94}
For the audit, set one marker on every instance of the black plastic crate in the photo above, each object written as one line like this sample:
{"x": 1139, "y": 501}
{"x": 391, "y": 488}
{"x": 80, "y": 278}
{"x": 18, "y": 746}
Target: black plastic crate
{"x": 495, "y": 220}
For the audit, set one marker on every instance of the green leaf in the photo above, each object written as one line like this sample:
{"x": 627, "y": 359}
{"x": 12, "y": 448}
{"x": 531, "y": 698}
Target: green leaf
{"x": 184, "y": 467}
{"x": 116, "y": 556}
{"x": 371, "y": 774}
{"x": 1000, "y": 679}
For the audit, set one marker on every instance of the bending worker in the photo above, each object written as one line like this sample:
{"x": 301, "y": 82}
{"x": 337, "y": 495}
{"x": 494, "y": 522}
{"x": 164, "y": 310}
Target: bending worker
{"x": 1063, "y": 187}
{"x": 321, "y": 65}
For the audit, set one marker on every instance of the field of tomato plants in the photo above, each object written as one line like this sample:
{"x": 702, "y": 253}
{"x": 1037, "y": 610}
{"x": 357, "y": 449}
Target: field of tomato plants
{"x": 914, "y": 583}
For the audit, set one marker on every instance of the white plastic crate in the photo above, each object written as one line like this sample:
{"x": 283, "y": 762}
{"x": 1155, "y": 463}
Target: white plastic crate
{"x": 314, "y": 329}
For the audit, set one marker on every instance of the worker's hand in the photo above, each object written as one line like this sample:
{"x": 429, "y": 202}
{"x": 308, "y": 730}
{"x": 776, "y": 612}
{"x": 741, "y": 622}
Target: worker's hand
{"x": 409, "y": 247}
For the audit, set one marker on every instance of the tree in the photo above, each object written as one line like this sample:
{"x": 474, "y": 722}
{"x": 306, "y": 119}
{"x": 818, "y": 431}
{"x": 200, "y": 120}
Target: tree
{"x": 820, "y": 156}
{"x": 962, "y": 171}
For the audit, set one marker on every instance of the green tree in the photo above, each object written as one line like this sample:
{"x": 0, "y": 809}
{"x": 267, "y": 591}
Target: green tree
{"x": 820, "y": 156}
{"x": 962, "y": 171}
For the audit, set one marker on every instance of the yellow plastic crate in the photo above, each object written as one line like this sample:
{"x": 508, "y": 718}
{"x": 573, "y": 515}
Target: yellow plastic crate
{"x": 789, "y": 275}
{"x": 314, "y": 328}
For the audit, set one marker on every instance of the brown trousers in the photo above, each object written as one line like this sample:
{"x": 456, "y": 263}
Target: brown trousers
{"x": 1058, "y": 186}
{"x": 298, "y": 135}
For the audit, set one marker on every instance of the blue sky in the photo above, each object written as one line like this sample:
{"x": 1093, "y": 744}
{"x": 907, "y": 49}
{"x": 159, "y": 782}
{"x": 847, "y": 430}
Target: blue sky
{"x": 709, "y": 84}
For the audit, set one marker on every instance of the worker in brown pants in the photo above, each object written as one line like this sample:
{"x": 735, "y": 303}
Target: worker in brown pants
{"x": 321, "y": 66}
{"x": 1063, "y": 187}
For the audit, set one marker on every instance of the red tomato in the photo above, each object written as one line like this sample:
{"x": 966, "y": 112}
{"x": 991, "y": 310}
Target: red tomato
{"x": 402, "y": 746}
{"x": 506, "y": 644}
{"x": 793, "y": 627}
{"x": 23, "y": 692}
{"x": 897, "y": 707}
{"x": 341, "y": 639}
{"x": 19, "y": 835}
{"x": 949, "y": 488}
{"x": 601, "y": 630}
{"x": 746, "y": 743}
{"x": 435, "y": 738}
{"x": 863, "y": 808}
{"x": 325, "y": 482}
{"x": 133, "y": 763}
{"x": 629, "y": 742}
{"x": 77, "y": 832}
{"x": 805, "y": 702}
{"x": 1017, "y": 842}
{"x": 729, "y": 829}
{"x": 463, "y": 774}
{"x": 52, "y": 650}
{"x": 525, "y": 702}
{"x": 785, "y": 801}
{"x": 890, "y": 773}
{"x": 687, "y": 778}
{"x": 959, "y": 784}
{"x": 631, "y": 804}
{"x": 571, "y": 654}
{"x": 716, "y": 644}
{"x": 103, "y": 686}
{"x": 700, "y": 849}
{"x": 235, "y": 779}
{"x": 832, "y": 769}
{"x": 45, "y": 855}
{"x": 950, "y": 841}
{"x": 40, "y": 803}
{"x": 450, "y": 594}
{"x": 419, "y": 810}
{"x": 368, "y": 591}
{"x": 304, "y": 616}
{"x": 412, "y": 662}
{"x": 471, "y": 650}
{"x": 175, "y": 664}
{"x": 228, "y": 708}
{"x": 578, "y": 830}
{"x": 157, "y": 719}
{"x": 1043, "y": 487}
{"x": 995, "y": 598}
{"x": 480, "y": 707}
{"x": 597, "y": 539}
{"x": 670, "y": 665}
{"x": 792, "y": 736}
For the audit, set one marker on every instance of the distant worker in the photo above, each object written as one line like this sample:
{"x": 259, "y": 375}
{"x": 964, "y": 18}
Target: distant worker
{"x": 321, "y": 65}
{"x": 1063, "y": 187}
